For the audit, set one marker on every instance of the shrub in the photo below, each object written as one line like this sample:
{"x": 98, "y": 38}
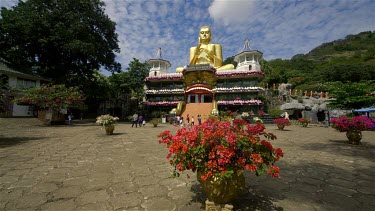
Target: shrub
{"x": 155, "y": 121}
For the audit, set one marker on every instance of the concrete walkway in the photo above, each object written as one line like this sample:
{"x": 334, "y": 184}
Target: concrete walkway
{"x": 80, "y": 168}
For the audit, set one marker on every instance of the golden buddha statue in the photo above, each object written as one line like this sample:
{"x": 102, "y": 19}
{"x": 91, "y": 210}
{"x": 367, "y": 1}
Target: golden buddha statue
{"x": 207, "y": 53}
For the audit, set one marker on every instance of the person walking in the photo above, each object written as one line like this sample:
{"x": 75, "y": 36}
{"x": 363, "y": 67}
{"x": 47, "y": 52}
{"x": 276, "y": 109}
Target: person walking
{"x": 188, "y": 119}
{"x": 286, "y": 115}
{"x": 192, "y": 120}
{"x": 140, "y": 122}
{"x": 199, "y": 119}
{"x": 135, "y": 120}
{"x": 70, "y": 119}
{"x": 182, "y": 122}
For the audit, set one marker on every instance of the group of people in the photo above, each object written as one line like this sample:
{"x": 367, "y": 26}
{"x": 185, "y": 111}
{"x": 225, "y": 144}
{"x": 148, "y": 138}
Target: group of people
{"x": 190, "y": 120}
{"x": 138, "y": 120}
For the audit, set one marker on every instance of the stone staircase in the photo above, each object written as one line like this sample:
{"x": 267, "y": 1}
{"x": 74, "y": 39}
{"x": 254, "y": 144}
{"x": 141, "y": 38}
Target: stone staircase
{"x": 193, "y": 109}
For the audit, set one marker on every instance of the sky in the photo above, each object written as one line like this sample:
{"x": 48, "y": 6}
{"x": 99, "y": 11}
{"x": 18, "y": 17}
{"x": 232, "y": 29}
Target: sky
{"x": 277, "y": 28}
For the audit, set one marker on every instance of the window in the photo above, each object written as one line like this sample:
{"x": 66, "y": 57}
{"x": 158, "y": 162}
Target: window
{"x": 4, "y": 79}
{"x": 25, "y": 83}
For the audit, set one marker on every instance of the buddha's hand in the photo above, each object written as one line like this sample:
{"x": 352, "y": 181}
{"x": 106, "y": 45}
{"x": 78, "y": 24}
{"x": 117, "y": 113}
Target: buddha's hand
{"x": 198, "y": 49}
{"x": 209, "y": 54}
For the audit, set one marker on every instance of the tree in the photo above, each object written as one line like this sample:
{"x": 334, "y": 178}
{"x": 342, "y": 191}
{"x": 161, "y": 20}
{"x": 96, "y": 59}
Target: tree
{"x": 64, "y": 40}
{"x": 137, "y": 72}
{"x": 97, "y": 89}
{"x": 54, "y": 97}
{"x": 352, "y": 95}
{"x": 230, "y": 60}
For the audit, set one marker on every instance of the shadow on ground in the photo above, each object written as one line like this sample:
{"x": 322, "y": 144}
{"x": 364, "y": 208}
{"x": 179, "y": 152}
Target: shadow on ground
{"x": 12, "y": 141}
{"x": 248, "y": 200}
{"x": 342, "y": 147}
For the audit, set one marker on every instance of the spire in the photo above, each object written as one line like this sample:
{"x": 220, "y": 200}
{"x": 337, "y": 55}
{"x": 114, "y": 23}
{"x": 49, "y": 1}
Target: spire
{"x": 158, "y": 54}
{"x": 246, "y": 46}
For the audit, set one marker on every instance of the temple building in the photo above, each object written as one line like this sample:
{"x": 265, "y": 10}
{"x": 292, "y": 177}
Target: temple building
{"x": 202, "y": 88}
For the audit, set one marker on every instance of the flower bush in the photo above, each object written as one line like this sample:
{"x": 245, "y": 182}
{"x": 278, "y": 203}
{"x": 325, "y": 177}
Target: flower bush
{"x": 257, "y": 119}
{"x": 54, "y": 97}
{"x": 245, "y": 114}
{"x": 221, "y": 149}
{"x": 282, "y": 121}
{"x": 106, "y": 120}
{"x": 303, "y": 120}
{"x": 261, "y": 113}
{"x": 357, "y": 123}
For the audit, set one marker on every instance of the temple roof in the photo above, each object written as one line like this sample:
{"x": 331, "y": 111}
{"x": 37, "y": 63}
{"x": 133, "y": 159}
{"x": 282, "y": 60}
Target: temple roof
{"x": 159, "y": 58}
{"x": 8, "y": 71}
{"x": 246, "y": 48}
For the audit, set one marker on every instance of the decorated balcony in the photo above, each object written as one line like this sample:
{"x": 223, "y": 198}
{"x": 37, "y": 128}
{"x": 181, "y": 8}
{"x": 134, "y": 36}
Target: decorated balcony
{"x": 239, "y": 102}
{"x": 168, "y": 76}
{"x": 237, "y": 89}
{"x": 236, "y": 73}
{"x": 163, "y": 103}
{"x": 165, "y": 91}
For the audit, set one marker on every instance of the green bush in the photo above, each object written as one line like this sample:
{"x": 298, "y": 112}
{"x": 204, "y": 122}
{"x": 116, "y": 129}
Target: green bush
{"x": 275, "y": 112}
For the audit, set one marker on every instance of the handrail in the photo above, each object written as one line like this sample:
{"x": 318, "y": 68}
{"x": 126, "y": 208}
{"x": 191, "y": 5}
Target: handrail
{"x": 215, "y": 110}
{"x": 180, "y": 106}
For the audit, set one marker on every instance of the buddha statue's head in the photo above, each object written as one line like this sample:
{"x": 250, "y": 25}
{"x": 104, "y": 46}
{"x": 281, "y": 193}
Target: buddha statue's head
{"x": 205, "y": 35}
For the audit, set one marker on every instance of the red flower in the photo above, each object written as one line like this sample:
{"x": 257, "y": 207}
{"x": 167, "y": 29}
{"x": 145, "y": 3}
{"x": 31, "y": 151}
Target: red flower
{"x": 220, "y": 148}
{"x": 273, "y": 171}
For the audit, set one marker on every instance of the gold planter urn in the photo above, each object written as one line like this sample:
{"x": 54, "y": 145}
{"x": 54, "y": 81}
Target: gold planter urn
{"x": 221, "y": 191}
{"x": 109, "y": 129}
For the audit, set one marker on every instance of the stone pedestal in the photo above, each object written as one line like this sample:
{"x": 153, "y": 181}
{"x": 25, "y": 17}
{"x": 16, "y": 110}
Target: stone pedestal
{"x": 211, "y": 206}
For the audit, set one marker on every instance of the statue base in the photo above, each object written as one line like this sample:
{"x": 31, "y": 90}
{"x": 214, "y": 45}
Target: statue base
{"x": 211, "y": 206}
{"x": 199, "y": 67}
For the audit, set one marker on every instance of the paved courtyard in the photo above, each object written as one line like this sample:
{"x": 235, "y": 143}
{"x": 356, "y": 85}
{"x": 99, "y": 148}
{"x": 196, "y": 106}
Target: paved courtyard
{"x": 80, "y": 168}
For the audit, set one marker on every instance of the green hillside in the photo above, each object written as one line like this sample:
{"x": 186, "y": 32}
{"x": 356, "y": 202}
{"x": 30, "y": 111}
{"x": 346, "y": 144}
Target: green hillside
{"x": 360, "y": 47}
{"x": 347, "y": 60}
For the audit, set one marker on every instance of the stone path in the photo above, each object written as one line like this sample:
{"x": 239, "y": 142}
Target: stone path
{"x": 80, "y": 168}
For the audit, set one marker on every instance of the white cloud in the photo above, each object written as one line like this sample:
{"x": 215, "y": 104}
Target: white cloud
{"x": 231, "y": 12}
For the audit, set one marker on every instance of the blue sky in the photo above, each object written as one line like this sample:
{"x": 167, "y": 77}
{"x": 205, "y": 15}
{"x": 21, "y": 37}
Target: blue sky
{"x": 279, "y": 29}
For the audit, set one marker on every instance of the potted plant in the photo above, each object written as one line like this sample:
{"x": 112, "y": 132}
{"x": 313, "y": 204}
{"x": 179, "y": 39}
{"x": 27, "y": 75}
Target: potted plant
{"x": 304, "y": 122}
{"x": 154, "y": 122}
{"x": 282, "y": 122}
{"x": 220, "y": 151}
{"x": 108, "y": 122}
{"x": 353, "y": 126}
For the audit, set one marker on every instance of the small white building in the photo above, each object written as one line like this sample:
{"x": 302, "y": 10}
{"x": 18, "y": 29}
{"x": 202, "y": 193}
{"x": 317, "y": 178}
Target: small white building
{"x": 18, "y": 81}
{"x": 158, "y": 66}
{"x": 248, "y": 59}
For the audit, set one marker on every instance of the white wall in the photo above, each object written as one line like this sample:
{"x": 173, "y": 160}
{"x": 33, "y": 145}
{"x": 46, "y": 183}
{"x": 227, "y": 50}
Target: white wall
{"x": 19, "y": 110}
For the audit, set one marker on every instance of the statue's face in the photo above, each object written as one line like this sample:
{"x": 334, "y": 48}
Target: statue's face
{"x": 205, "y": 34}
